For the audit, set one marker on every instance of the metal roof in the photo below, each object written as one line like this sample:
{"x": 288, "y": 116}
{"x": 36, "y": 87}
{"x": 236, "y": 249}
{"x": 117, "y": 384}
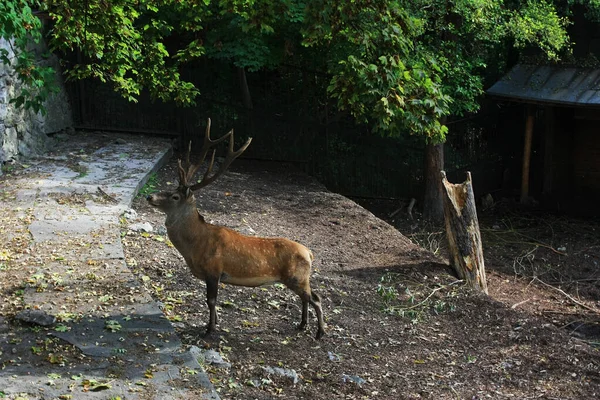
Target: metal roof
{"x": 550, "y": 84}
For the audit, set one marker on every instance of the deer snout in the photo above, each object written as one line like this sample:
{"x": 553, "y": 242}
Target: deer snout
{"x": 151, "y": 199}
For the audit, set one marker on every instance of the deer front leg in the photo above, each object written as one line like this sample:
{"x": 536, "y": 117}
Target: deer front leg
{"x": 212, "y": 289}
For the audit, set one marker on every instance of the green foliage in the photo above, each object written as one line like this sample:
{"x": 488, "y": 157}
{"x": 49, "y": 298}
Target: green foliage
{"x": 392, "y": 95}
{"x": 124, "y": 43}
{"x": 415, "y": 302}
{"x": 383, "y": 76}
{"x": 254, "y": 34}
{"x": 410, "y": 64}
{"x": 398, "y": 65}
{"x": 538, "y": 23}
{"x": 22, "y": 30}
{"x": 592, "y": 8}
{"x": 150, "y": 186}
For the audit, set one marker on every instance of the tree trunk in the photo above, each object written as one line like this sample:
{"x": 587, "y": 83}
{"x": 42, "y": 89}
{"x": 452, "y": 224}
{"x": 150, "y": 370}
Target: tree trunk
{"x": 462, "y": 231}
{"x": 433, "y": 208}
{"x": 82, "y": 94}
{"x": 246, "y": 96}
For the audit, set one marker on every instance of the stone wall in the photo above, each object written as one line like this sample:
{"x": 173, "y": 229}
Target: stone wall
{"x": 24, "y": 132}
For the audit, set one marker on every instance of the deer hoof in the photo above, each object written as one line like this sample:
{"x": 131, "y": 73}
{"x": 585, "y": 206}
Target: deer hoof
{"x": 210, "y": 331}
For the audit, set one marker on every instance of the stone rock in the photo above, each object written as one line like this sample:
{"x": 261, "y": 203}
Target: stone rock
{"x": 354, "y": 379}
{"x": 283, "y": 372}
{"x": 24, "y": 149}
{"x": 130, "y": 214}
{"x": 23, "y": 132}
{"x": 210, "y": 357}
{"x": 333, "y": 357}
{"x": 3, "y": 325}
{"x": 37, "y": 317}
{"x": 141, "y": 227}
{"x": 246, "y": 230}
{"x": 10, "y": 140}
{"x": 161, "y": 230}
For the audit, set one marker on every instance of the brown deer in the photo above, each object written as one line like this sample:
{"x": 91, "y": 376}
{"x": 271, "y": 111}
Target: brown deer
{"x": 218, "y": 254}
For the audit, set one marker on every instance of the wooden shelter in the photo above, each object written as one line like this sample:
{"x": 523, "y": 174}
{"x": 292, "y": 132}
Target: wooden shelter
{"x": 565, "y": 102}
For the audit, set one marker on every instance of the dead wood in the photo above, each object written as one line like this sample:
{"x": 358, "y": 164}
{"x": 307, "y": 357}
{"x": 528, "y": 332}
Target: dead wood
{"x": 462, "y": 232}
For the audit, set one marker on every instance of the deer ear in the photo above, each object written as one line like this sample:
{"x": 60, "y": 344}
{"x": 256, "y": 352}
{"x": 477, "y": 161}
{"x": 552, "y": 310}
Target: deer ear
{"x": 188, "y": 193}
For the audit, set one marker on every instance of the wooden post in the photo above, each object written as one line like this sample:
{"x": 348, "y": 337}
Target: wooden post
{"x": 548, "y": 153}
{"x": 462, "y": 231}
{"x": 527, "y": 155}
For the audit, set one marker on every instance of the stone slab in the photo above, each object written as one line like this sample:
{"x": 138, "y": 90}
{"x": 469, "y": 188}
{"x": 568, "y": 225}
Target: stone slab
{"x": 83, "y": 287}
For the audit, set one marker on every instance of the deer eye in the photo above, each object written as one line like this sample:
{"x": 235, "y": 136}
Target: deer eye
{"x": 175, "y": 197}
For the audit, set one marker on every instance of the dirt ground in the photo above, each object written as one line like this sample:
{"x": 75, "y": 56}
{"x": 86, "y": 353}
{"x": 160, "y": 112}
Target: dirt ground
{"x": 400, "y": 324}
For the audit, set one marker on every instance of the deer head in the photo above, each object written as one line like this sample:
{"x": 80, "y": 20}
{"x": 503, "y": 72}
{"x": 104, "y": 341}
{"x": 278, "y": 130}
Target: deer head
{"x": 171, "y": 201}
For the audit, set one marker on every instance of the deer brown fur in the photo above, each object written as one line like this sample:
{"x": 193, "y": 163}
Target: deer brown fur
{"x": 218, "y": 254}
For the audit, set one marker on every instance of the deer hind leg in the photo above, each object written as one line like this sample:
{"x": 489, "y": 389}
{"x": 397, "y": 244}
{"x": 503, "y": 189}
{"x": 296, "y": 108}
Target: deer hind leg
{"x": 212, "y": 289}
{"x": 302, "y": 325}
{"x": 308, "y": 297}
{"x": 315, "y": 301}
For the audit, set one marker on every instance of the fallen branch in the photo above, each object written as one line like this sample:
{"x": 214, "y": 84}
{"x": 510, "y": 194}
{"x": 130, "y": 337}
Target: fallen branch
{"x": 519, "y": 303}
{"x": 561, "y": 312}
{"x": 431, "y": 294}
{"x": 106, "y": 196}
{"x": 593, "y": 309}
{"x": 547, "y": 246}
{"x": 396, "y": 211}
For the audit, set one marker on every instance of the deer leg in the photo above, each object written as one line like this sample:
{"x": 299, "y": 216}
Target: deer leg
{"x": 212, "y": 289}
{"x": 315, "y": 301}
{"x": 307, "y": 296}
{"x": 295, "y": 287}
{"x": 304, "y": 314}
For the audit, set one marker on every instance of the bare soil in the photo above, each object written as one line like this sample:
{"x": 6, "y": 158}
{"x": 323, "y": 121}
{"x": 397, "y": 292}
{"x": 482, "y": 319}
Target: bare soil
{"x": 400, "y": 324}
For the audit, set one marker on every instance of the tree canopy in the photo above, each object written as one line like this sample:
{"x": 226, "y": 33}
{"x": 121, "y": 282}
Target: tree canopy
{"x": 411, "y": 63}
{"x": 399, "y": 65}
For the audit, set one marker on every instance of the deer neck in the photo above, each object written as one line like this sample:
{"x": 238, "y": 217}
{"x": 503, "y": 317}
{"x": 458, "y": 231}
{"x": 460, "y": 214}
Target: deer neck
{"x": 186, "y": 218}
{"x": 186, "y": 230}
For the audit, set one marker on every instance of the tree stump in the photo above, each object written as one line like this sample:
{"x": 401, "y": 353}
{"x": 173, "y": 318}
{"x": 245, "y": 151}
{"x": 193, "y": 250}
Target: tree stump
{"x": 462, "y": 230}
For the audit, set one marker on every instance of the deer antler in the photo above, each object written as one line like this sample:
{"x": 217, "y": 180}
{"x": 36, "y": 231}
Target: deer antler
{"x": 185, "y": 177}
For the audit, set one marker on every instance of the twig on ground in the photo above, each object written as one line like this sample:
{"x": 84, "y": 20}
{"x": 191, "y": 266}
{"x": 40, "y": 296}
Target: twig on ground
{"x": 533, "y": 241}
{"x": 561, "y": 312}
{"x": 519, "y": 303}
{"x": 106, "y": 196}
{"x": 595, "y": 310}
{"x": 431, "y": 294}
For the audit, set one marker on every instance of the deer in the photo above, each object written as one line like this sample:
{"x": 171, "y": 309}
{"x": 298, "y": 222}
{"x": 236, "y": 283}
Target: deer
{"x": 217, "y": 254}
